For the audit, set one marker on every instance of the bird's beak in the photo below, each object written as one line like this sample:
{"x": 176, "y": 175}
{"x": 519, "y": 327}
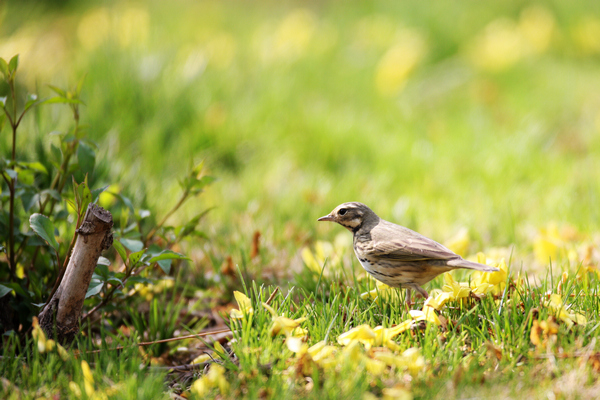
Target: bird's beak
{"x": 326, "y": 218}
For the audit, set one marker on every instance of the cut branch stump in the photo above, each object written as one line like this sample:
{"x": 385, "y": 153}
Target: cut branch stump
{"x": 60, "y": 317}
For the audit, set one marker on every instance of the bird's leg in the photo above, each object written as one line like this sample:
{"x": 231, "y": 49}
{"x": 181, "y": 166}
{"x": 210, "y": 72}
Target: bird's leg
{"x": 409, "y": 304}
{"x": 417, "y": 289}
{"x": 422, "y": 292}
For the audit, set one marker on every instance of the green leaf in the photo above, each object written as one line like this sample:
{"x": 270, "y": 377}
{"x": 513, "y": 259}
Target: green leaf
{"x": 94, "y": 289}
{"x": 120, "y": 249}
{"x": 199, "y": 234}
{"x": 79, "y": 86}
{"x": 56, "y": 154}
{"x": 190, "y": 226}
{"x": 3, "y": 100}
{"x": 58, "y": 91}
{"x": 133, "y": 279}
{"x": 96, "y": 192}
{"x": 44, "y": 228}
{"x": 76, "y": 192}
{"x": 114, "y": 280}
{"x": 168, "y": 255}
{"x": 198, "y": 169}
{"x": 131, "y": 244}
{"x": 102, "y": 271}
{"x": 103, "y": 261}
{"x": 52, "y": 193}
{"x": 125, "y": 201}
{"x": 36, "y": 166}
{"x": 86, "y": 157}
{"x": 58, "y": 99}
{"x": 4, "y": 291}
{"x": 164, "y": 259}
{"x": 18, "y": 289}
{"x": 165, "y": 265}
{"x": 26, "y": 176}
{"x": 12, "y": 174}
{"x": 68, "y": 138}
{"x": 33, "y": 100}
{"x": 85, "y": 195}
{"x": 144, "y": 214}
{"x": 134, "y": 258}
{"x": 197, "y": 185}
{"x": 29, "y": 199}
{"x": 72, "y": 204}
{"x": 13, "y": 64}
{"x": 4, "y": 67}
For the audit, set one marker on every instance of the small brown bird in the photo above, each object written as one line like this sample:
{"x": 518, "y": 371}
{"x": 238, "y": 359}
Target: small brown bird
{"x": 395, "y": 255}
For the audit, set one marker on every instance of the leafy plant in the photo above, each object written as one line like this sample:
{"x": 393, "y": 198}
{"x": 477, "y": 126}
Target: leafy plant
{"x": 37, "y": 195}
{"x": 38, "y": 187}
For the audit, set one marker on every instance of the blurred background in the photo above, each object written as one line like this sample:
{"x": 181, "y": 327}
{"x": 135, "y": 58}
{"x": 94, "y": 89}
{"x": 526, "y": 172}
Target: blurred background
{"x": 471, "y": 120}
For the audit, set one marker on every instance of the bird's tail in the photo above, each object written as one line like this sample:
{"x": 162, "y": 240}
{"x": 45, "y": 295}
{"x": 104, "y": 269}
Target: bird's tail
{"x": 462, "y": 263}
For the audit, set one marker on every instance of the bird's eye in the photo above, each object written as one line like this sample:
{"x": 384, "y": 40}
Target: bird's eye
{"x": 342, "y": 211}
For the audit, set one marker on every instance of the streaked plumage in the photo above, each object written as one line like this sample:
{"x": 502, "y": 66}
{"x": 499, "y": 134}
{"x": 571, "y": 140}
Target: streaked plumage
{"x": 393, "y": 254}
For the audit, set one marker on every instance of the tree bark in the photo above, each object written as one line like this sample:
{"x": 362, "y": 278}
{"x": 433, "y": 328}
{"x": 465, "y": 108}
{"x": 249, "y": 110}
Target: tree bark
{"x": 60, "y": 317}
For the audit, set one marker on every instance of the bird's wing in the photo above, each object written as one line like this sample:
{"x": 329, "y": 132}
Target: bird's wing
{"x": 396, "y": 242}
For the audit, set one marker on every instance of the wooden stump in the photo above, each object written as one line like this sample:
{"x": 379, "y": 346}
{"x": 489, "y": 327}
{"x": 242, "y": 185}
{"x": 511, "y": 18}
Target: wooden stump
{"x": 60, "y": 317}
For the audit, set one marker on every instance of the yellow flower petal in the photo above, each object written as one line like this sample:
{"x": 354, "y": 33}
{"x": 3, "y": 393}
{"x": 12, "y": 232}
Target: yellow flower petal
{"x": 200, "y": 387}
{"x": 385, "y": 335}
{"x": 439, "y": 301}
{"x": 410, "y": 359}
{"x": 299, "y": 332}
{"x": 201, "y": 359}
{"x": 482, "y": 288}
{"x": 64, "y": 354}
{"x": 427, "y": 314}
{"x": 310, "y": 260}
{"x": 296, "y": 345}
{"x": 352, "y": 352}
{"x": 285, "y": 325}
{"x": 375, "y": 367}
{"x": 244, "y": 304}
{"x": 88, "y": 378}
{"x": 50, "y": 345}
{"x": 556, "y": 304}
{"x": 396, "y": 393}
{"x": 236, "y": 314}
{"x": 321, "y": 351}
{"x": 74, "y": 388}
{"x": 362, "y": 333}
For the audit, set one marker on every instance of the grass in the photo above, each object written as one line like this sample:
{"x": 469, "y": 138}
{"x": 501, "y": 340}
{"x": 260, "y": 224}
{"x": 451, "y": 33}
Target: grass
{"x": 495, "y": 152}
{"x": 485, "y": 350}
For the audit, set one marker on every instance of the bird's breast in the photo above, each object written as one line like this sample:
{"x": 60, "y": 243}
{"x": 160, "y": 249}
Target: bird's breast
{"x": 382, "y": 270}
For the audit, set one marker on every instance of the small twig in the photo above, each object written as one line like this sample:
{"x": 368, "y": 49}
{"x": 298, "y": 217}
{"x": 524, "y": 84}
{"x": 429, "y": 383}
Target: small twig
{"x": 6, "y": 180}
{"x": 142, "y": 344}
{"x": 183, "y": 367}
{"x": 272, "y": 296}
{"x": 103, "y": 302}
{"x": 183, "y": 198}
{"x": 565, "y": 355}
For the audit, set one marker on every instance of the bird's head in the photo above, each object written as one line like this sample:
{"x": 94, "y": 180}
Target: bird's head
{"x": 351, "y": 216}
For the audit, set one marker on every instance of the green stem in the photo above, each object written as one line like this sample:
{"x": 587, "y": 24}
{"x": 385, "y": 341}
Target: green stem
{"x": 183, "y": 198}
{"x": 110, "y": 293}
{"x": 60, "y": 179}
{"x": 11, "y": 187}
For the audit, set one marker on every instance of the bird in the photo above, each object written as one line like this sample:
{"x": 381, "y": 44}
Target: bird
{"x": 395, "y": 255}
